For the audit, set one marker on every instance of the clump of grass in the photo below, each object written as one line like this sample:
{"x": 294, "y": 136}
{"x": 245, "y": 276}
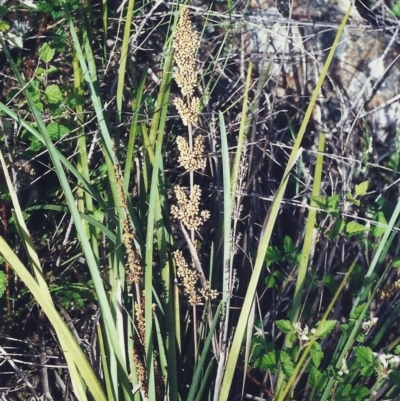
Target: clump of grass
{"x": 149, "y": 348}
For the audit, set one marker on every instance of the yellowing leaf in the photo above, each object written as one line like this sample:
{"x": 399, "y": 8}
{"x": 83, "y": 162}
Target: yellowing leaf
{"x": 361, "y": 189}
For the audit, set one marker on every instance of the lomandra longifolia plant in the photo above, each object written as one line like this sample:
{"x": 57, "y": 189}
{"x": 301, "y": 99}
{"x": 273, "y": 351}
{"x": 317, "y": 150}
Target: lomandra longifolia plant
{"x": 191, "y": 158}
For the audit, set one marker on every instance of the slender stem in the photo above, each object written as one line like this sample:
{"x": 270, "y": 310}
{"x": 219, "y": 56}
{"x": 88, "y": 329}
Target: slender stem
{"x": 192, "y": 233}
{"x": 195, "y": 332}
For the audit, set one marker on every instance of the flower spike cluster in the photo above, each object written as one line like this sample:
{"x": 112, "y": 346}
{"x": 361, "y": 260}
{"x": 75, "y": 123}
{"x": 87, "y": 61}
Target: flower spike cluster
{"x": 187, "y": 211}
{"x": 185, "y": 45}
{"x": 191, "y": 160}
{"x": 188, "y": 112}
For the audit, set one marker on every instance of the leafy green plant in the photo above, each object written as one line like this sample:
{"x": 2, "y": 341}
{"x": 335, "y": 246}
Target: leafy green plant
{"x": 55, "y": 7}
{"x": 48, "y": 99}
{"x": 351, "y": 376}
{"x": 75, "y": 295}
{"x": 290, "y": 253}
{"x": 331, "y": 206}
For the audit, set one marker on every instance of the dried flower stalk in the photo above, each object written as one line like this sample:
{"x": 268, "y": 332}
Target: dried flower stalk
{"x": 135, "y": 270}
{"x": 390, "y": 290}
{"x": 187, "y": 211}
{"x": 139, "y": 355}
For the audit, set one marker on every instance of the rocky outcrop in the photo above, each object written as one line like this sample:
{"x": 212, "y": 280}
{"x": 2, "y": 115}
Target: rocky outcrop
{"x": 292, "y": 44}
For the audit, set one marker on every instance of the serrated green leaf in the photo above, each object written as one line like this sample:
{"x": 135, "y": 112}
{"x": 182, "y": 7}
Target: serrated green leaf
{"x": 272, "y": 255}
{"x": 57, "y": 131}
{"x": 321, "y": 201}
{"x": 314, "y": 377}
{"x": 286, "y": 363}
{"x": 293, "y": 353}
{"x": 362, "y": 189}
{"x": 333, "y": 372}
{"x": 53, "y": 94}
{"x": 39, "y": 106}
{"x": 34, "y": 86}
{"x": 325, "y": 327}
{"x": 317, "y": 355}
{"x": 357, "y": 312}
{"x": 351, "y": 199}
{"x": 284, "y": 326}
{"x": 289, "y": 245}
{"x": 284, "y": 357}
{"x": 46, "y": 53}
{"x": 345, "y": 390}
{"x": 349, "y": 196}
{"x": 34, "y": 90}
{"x": 378, "y": 230}
{"x": 52, "y": 69}
{"x": 367, "y": 371}
{"x": 257, "y": 346}
{"x": 268, "y": 362}
{"x": 359, "y": 393}
{"x": 344, "y": 328}
{"x": 75, "y": 100}
{"x": 36, "y": 145}
{"x": 353, "y": 228}
{"x": 4, "y": 26}
{"x": 40, "y": 71}
{"x": 333, "y": 204}
{"x": 288, "y": 369}
{"x": 397, "y": 350}
{"x": 364, "y": 356}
